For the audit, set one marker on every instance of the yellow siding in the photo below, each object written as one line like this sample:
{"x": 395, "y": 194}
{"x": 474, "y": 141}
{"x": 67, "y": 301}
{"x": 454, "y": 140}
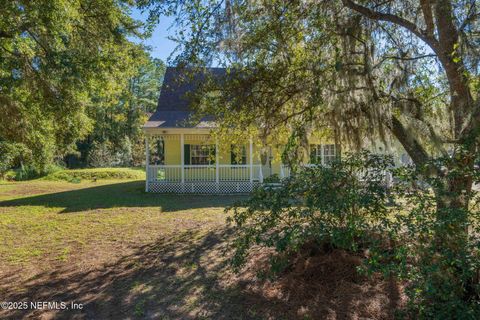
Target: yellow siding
{"x": 172, "y": 152}
{"x": 173, "y": 157}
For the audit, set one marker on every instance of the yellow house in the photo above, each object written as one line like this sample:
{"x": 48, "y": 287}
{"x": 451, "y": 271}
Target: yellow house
{"x": 183, "y": 157}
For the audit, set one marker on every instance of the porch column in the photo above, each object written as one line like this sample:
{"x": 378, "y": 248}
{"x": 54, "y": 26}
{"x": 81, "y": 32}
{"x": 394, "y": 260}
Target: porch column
{"x": 322, "y": 153}
{"x": 147, "y": 162}
{"x": 251, "y": 160}
{"x": 182, "y": 156}
{"x": 217, "y": 174}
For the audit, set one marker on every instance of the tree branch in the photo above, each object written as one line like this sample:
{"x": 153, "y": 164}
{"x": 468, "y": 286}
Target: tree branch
{"x": 403, "y": 58}
{"x": 413, "y": 147}
{"x": 428, "y": 16}
{"x": 388, "y": 17}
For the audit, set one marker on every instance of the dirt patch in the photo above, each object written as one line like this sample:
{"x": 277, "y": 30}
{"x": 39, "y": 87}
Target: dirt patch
{"x": 326, "y": 286}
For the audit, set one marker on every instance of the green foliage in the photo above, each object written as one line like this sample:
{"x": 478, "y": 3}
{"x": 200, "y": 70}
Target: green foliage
{"x": 26, "y": 173}
{"x": 58, "y": 59}
{"x": 29, "y": 172}
{"x": 118, "y": 122}
{"x": 9, "y": 152}
{"x": 417, "y": 231}
{"x": 77, "y": 175}
{"x": 124, "y": 154}
{"x": 101, "y": 155}
{"x": 435, "y": 248}
{"x": 274, "y": 178}
{"x": 326, "y": 206}
{"x": 106, "y": 154}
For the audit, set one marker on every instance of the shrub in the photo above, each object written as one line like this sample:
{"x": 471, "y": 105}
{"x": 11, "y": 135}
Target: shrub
{"x": 333, "y": 206}
{"x": 105, "y": 154}
{"x": 434, "y": 249}
{"x": 274, "y": 178}
{"x": 26, "y": 173}
{"x": 100, "y": 155}
{"x": 9, "y": 152}
{"x": 30, "y": 172}
{"x": 77, "y": 175}
{"x": 124, "y": 156}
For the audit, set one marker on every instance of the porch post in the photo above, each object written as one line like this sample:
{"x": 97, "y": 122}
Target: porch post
{"x": 251, "y": 160}
{"x": 217, "y": 174}
{"x": 147, "y": 162}
{"x": 182, "y": 156}
{"x": 322, "y": 154}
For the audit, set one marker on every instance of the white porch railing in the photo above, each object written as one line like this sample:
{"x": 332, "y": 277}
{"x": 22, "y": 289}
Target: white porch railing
{"x": 234, "y": 172}
{"x": 285, "y": 173}
{"x": 204, "y": 173}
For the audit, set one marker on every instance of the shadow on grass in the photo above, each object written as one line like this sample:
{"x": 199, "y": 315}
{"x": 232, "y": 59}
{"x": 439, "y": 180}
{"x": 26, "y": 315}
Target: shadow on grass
{"x": 125, "y": 194}
{"x": 186, "y": 276}
{"x": 183, "y": 276}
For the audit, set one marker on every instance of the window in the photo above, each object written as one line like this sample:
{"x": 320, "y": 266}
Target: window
{"x": 322, "y": 153}
{"x": 315, "y": 154}
{"x": 329, "y": 153}
{"x": 202, "y": 154}
{"x": 235, "y": 157}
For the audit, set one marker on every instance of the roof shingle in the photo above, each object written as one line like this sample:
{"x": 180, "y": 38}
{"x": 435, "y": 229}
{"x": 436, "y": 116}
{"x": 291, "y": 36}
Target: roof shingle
{"x": 173, "y": 109}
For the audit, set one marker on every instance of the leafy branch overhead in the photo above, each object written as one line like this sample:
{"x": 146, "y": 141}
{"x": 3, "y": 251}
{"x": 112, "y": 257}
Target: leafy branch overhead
{"x": 58, "y": 61}
{"x": 402, "y": 69}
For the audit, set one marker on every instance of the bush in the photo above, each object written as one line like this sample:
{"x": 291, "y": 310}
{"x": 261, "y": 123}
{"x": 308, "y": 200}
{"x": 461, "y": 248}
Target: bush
{"x": 96, "y": 174}
{"x": 274, "y": 178}
{"x": 26, "y": 173}
{"x": 434, "y": 249}
{"x": 334, "y": 206}
{"x": 104, "y": 154}
{"x": 9, "y": 152}
{"x": 124, "y": 157}
{"x": 30, "y": 172}
{"x": 100, "y": 155}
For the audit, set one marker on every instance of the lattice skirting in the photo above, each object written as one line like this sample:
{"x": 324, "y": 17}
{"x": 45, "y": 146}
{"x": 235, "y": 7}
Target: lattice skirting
{"x": 202, "y": 187}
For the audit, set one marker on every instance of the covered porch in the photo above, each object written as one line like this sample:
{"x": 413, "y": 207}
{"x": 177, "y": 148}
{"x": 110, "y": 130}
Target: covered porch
{"x": 191, "y": 162}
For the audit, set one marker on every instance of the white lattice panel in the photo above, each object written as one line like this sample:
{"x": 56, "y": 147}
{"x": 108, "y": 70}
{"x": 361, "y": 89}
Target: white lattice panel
{"x": 202, "y": 187}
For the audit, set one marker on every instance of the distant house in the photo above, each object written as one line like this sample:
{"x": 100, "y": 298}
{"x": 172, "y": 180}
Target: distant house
{"x": 182, "y": 157}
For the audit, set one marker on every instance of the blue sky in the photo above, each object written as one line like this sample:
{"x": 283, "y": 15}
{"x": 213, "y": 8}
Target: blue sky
{"x": 162, "y": 47}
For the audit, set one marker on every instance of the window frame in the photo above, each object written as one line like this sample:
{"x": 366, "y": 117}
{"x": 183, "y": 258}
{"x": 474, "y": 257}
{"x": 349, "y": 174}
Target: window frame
{"x": 321, "y": 156}
{"x": 233, "y": 155}
{"x": 329, "y": 157}
{"x": 201, "y": 151}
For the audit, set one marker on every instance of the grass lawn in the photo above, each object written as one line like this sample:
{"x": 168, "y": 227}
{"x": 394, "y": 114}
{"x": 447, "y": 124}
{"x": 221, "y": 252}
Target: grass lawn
{"x": 125, "y": 254}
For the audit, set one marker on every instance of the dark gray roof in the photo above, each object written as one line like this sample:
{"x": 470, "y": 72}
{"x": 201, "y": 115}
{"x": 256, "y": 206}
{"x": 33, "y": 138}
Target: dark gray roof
{"x": 173, "y": 109}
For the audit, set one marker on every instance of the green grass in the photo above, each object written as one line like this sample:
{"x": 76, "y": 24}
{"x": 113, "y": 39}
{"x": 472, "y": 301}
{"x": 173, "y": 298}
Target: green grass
{"x": 152, "y": 251}
{"x": 44, "y": 218}
{"x": 127, "y": 254}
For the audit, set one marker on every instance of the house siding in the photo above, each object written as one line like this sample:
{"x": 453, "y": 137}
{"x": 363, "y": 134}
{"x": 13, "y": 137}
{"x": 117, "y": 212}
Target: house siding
{"x": 173, "y": 152}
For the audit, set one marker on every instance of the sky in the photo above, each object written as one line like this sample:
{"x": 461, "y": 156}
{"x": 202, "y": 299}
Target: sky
{"x": 162, "y": 47}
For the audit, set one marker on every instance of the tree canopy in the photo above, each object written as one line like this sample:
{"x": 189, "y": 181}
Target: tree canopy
{"x": 58, "y": 59}
{"x": 404, "y": 69}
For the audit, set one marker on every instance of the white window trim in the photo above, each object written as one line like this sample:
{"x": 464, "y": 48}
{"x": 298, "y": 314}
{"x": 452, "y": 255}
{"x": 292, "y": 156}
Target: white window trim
{"x": 321, "y": 152}
{"x": 243, "y": 150}
{"x": 199, "y": 149}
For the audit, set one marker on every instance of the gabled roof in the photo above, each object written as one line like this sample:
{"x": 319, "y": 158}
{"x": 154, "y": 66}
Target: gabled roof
{"x": 173, "y": 109}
